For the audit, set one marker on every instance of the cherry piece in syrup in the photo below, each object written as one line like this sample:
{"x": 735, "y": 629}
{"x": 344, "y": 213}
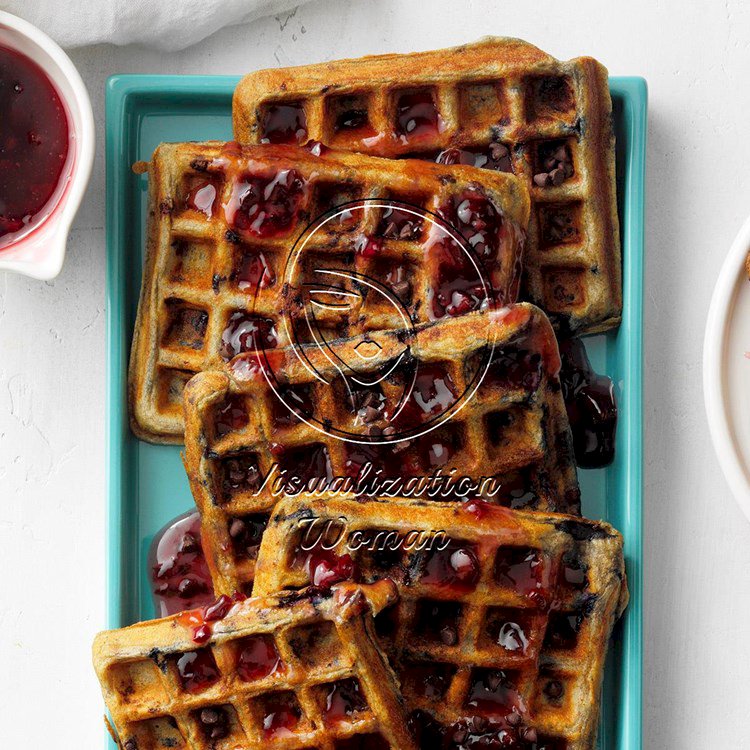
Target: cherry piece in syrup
{"x": 266, "y": 206}
{"x": 230, "y": 416}
{"x": 34, "y": 141}
{"x": 417, "y": 115}
{"x": 344, "y": 700}
{"x": 455, "y": 566}
{"x": 281, "y": 715}
{"x": 325, "y": 567}
{"x": 197, "y": 670}
{"x": 478, "y": 220}
{"x": 591, "y": 405}
{"x": 257, "y": 658}
{"x": 245, "y": 332}
{"x": 180, "y": 579}
{"x": 368, "y": 247}
{"x": 473, "y": 732}
{"x": 284, "y": 123}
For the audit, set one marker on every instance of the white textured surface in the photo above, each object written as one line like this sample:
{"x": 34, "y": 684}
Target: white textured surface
{"x": 696, "y": 57}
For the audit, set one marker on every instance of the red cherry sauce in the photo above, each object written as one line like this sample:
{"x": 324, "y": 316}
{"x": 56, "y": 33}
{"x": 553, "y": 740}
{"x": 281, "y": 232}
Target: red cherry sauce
{"x": 432, "y": 393}
{"x": 417, "y": 115}
{"x": 325, "y": 567}
{"x": 34, "y": 142}
{"x": 492, "y": 691}
{"x": 257, "y": 658}
{"x": 344, "y": 700}
{"x": 455, "y": 566}
{"x": 266, "y": 206}
{"x": 284, "y": 123}
{"x": 202, "y": 620}
{"x": 245, "y": 332}
{"x": 180, "y": 579}
{"x": 202, "y": 197}
{"x": 591, "y": 405}
{"x": 281, "y": 714}
{"x": 197, "y": 670}
{"x": 522, "y": 569}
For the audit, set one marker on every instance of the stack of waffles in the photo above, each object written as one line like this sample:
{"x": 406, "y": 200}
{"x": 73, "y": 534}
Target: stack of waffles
{"x": 350, "y": 317}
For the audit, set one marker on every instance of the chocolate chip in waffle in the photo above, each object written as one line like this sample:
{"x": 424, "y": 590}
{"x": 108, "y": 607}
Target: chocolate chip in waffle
{"x": 223, "y": 221}
{"x": 474, "y": 397}
{"x": 290, "y": 670}
{"x": 501, "y": 104}
{"x": 501, "y": 629}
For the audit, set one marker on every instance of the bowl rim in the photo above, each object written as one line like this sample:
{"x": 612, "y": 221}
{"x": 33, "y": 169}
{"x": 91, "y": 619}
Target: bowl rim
{"x": 715, "y": 394}
{"x": 57, "y": 227}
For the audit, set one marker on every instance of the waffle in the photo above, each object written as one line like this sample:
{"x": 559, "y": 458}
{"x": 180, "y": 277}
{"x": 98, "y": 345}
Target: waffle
{"x": 241, "y": 436}
{"x": 292, "y": 670}
{"x": 500, "y": 104}
{"x": 222, "y": 222}
{"x": 503, "y": 619}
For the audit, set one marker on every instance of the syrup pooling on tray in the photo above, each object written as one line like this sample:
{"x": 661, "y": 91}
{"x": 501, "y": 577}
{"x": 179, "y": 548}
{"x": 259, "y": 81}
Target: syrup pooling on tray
{"x": 180, "y": 578}
{"x": 591, "y": 405}
{"x": 34, "y": 143}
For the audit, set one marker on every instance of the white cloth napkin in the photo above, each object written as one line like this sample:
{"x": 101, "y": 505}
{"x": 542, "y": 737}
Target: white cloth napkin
{"x": 164, "y": 24}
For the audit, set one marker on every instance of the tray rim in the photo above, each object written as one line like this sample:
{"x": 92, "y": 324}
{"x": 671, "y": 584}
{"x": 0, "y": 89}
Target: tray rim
{"x": 120, "y": 94}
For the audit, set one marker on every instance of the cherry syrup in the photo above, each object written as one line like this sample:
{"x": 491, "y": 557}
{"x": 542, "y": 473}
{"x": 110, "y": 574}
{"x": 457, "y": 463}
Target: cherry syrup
{"x": 180, "y": 579}
{"x": 591, "y": 405}
{"x": 34, "y": 141}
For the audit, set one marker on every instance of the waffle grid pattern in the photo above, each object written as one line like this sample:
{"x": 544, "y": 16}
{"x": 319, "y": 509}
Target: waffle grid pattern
{"x": 197, "y": 260}
{"x": 522, "y": 637}
{"x": 519, "y": 435}
{"x": 495, "y": 92}
{"x": 321, "y": 646}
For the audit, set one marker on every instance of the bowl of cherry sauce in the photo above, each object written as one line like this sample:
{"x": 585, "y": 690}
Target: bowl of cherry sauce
{"x": 46, "y": 149}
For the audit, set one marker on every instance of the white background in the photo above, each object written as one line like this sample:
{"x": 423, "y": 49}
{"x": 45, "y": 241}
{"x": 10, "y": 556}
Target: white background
{"x": 696, "y": 57}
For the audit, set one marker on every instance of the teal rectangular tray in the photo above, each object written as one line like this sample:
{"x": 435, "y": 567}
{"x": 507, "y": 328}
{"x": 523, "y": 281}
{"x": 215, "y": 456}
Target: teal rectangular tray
{"x": 147, "y": 485}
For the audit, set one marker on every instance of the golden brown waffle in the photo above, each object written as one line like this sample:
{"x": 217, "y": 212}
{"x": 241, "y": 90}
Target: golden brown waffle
{"x": 223, "y": 220}
{"x": 503, "y": 619}
{"x": 503, "y": 417}
{"x": 499, "y": 103}
{"x": 291, "y": 670}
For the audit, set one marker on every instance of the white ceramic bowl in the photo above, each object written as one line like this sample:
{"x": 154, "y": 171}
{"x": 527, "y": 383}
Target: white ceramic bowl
{"x": 726, "y": 369}
{"x": 41, "y": 252}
